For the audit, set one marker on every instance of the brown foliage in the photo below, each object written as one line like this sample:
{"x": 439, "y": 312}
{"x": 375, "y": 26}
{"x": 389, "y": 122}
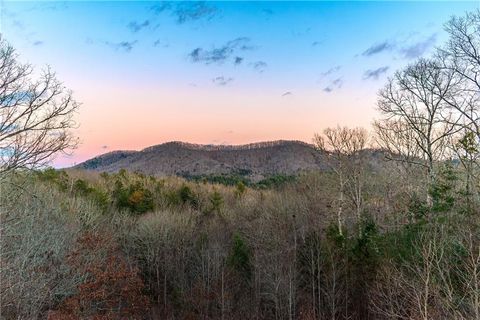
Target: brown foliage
{"x": 112, "y": 288}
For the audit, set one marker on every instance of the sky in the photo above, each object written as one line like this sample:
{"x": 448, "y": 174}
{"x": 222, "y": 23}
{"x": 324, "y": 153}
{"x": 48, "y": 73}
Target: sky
{"x": 221, "y": 72}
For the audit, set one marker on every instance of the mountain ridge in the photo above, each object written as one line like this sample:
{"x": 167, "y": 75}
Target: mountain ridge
{"x": 211, "y": 147}
{"x": 254, "y": 160}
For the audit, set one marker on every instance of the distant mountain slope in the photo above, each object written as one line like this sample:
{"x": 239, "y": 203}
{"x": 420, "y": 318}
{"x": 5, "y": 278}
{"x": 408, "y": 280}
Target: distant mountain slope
{"x": 257, "y": 160}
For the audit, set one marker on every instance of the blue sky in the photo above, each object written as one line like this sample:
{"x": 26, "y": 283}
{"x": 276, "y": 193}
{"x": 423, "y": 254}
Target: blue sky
{"x": 222, "y": 72}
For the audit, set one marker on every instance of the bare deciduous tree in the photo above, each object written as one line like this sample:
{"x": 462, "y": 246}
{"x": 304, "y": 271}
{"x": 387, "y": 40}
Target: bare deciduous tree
{"x": 343, "y": 148}
{"x": 416, "y": 125}
{"x": 461, "y": 56}
{"x": 35, "y": 115}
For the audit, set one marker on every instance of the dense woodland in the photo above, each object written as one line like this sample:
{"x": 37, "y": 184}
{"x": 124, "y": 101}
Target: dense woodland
{"x": 400, "y": 240}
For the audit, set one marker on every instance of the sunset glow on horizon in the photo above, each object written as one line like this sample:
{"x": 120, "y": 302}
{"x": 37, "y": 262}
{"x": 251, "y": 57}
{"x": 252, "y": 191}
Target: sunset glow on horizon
{"x": 146, "y": 73}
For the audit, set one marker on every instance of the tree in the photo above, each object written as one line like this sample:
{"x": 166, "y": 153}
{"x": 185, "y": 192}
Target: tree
{"x": 35, "y": 115}
{"x": 240, "y": 189}
{"x": 416, "y": 125}
{"x": 112, "y": 287}
{"x": 461, "y": 57}
{"x": 216, "y": 202}
{"x": 467, "y": 150}
{"x": 343, "y": 148}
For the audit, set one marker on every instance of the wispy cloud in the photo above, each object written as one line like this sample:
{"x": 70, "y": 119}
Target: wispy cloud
{"x": 377, "y": 48}
{"x": 135, "y": 26}
{"x": 417, "y": 49}
{"x": 335, "y": 84}
{"x": 126, "y": 46}
{"x": 375, "y": 73}
{"x": 162, "y": 43}
{"x": 331, "y": 71}
{"x": 18, "y": 24}
{"x": 221, "y": 54}
{"x": 194, "y": 11}
{"x": 221, "y": 80}
{"x": 405, "y": 48}
{"x": 259, "y": 66}
{"x": 48, "y": 5}
{"x": 238, "y": 61}
{"x": 186, "y": 11}
{"x": 332, "y": 78}
{"x": 301, "y": 32}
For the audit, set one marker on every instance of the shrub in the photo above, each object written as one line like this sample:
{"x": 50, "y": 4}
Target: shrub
{"x": 98, "y": 196}
{"x": 239, "y": 258}
{"x": 216, "y": 202}
{"x": 135, "y": 198}
{"x": 274, "y": 181}
{"x": 186, "y": 196}
{"x": 240, "y": 189}
{"x": 36, "y": 235}
{"x": 442, "y": 191}
{"x": 417, "y": 209}
{"x": 57, "y": 177}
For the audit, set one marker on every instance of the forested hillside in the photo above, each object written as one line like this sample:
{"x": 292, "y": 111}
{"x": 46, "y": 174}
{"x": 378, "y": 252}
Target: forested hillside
{"x": 251, "y": 162}
{"x": 128, "y": 245}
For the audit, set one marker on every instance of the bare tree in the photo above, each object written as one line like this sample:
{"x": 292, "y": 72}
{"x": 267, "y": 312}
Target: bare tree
{"x": 461, "y": 55}
{"x": 416, "y": 125}
{"x": 35, "y": 115}
{"x": 472, "y": 277}
{"x": 343, "y": 148}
